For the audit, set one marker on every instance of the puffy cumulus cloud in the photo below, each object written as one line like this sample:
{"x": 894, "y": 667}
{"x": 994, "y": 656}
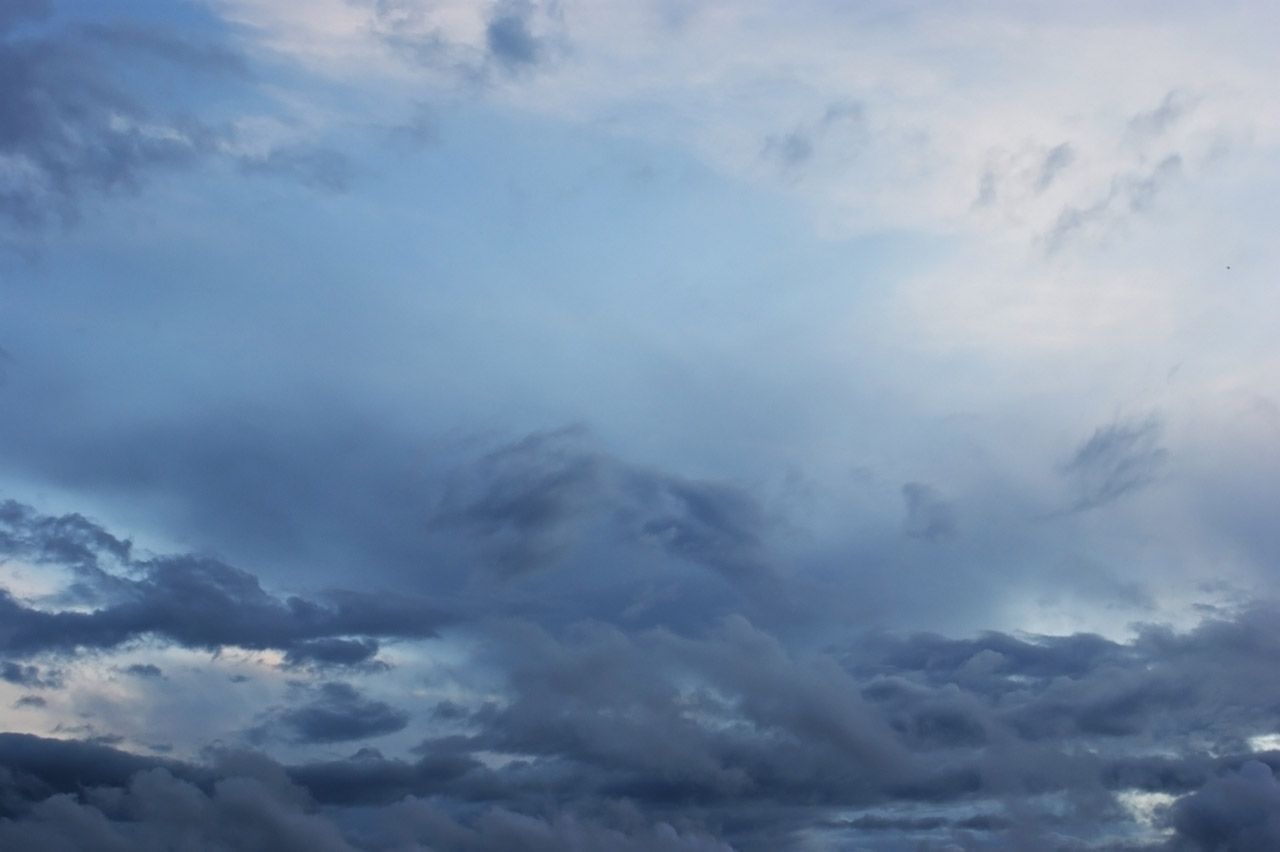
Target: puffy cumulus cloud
{"x": 195, "y": 602}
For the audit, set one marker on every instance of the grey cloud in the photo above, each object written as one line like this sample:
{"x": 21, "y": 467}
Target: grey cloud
{"x": 1116, "y": 460}
{"x": 929, "y": 515}
{"x": 30, "y": 676}
{"x": 526, "y": 500}
{"x": 77, "y": 131}
{"x": 791, "y": 148}
{"x": 508, "y": 36}
{"x": 513, "y": 41}
{"x": 77, "y": 128}
{"x": 197, "y": 602}
{"x": 1059, "y": 158}
{"x": 1238, "y": 812}
{"x": 246, "y": 803}
{"x": 739, "y": 741}
{"x": 1130, "y": 192}
{"x": 339, "y": 714}
{"x": 145, "y": 670}
{"x": 843, "y": 124}
{"x": 1155, "y": 122}
{"x": 30, "y": 701}
{"x": 340, "y": 652}
{"x": 1141, "y": 190}
{"x": 530, "y": 503}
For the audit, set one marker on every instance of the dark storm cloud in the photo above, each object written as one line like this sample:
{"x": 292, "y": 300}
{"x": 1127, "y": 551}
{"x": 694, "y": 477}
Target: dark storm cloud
{"x": 1116, "y": 460}
{"x": 929, "y": 515}
{"x": 530, "y": 503}
{"x": 49, "y": 766}
{"x": 1238, "y": 812}
{"x": 338, "y": 713}
{"x": 55, "y": 799}
{"x": 196, "y": 602}
{"x": 738, "y": 741}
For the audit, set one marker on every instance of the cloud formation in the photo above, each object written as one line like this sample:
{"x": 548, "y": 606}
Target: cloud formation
{"x": 191, "y": 601}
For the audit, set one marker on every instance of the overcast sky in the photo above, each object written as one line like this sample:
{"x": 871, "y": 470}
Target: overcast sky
{"x": 639, "y": 426}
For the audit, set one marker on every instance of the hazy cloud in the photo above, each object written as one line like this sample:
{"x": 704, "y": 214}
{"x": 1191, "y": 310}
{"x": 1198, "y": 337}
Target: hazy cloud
{"x": 1117, "y": 459}
{"x": 529, "y": 504}
{"x": 929, "y": 515}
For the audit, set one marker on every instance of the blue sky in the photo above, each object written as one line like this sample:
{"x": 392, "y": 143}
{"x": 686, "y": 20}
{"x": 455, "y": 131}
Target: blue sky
{"x": 656, "y": 425}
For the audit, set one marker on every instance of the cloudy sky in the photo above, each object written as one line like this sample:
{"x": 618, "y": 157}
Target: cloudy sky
{"x": 641, "y": 426}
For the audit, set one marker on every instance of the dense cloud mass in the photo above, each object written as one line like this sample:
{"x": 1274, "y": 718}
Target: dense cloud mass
{"x": 644, "y": 738}
{"x": 918, "y": 485}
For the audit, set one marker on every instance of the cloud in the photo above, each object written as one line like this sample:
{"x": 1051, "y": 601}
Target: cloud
{"x": 341, "y": 652}
{"x": 1153, "y": 123}
{"x": 339, "y": 714}
{"x": 508, "y": 35}
{"x": 529, "y": 504}
{"x": 1238, "y": 812}
{"x": 929, "y": 516}
{"x": 144, "y": 670}
{"x": 30, "y": 676}
{"x": 195, "y": 602}
{"x": 310, "y": 165}
{"x": 1056, "y": 161}
{"x": 842, "y": 126}
{"x": 71, "y": 129}
{"x": 742, "y": 742}
{"x": 1116, "y": 460}
{"x": 1132, "y": 191}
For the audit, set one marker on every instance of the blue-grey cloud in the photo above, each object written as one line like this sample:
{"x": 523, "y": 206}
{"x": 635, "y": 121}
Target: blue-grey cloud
{"x": 32, "y": 677}
{"x": 337, "y": 713}
{"x": 529, "y": 503}
{"x": 1116, "y": 460}
{"x": 1237, "y": 812}
{"x": 1056, "y": 161}
{"x": 929, "y": 515}
{"x": 196, "y": 602}
{"x": 509, "y": 37}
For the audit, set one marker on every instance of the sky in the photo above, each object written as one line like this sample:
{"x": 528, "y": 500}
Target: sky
{"x": 647, "y": 426}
